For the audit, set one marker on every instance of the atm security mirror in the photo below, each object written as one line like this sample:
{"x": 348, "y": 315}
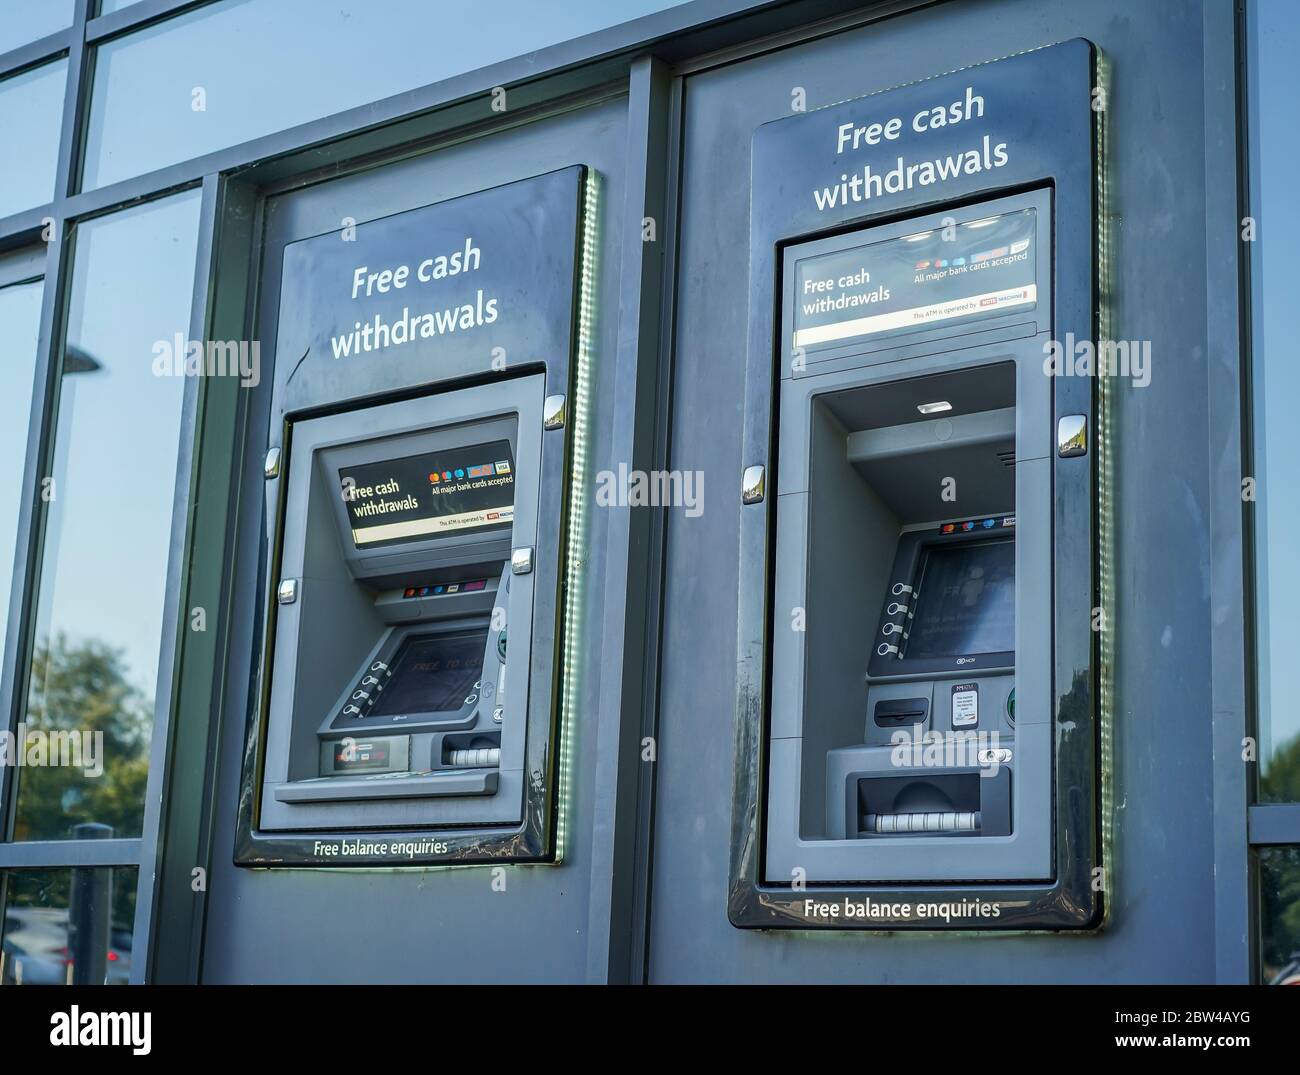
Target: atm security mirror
{"x": 398, "y": 608}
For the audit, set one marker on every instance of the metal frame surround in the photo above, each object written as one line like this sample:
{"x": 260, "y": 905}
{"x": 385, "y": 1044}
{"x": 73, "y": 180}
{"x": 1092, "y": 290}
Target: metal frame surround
{"x": 648, "y": 61}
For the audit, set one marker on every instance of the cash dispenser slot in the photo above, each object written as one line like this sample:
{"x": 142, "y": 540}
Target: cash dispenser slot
{"x": 926, "y": 803}
{"x": 417, "y": 786}
{"x": 919, "y": 803}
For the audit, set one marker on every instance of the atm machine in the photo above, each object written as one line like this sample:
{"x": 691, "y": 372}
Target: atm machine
{"x": 920, "y": 507}
{"x": 918, "y": 719}
{"x": 405, "y": 573}
{"x": 407, "y": 706}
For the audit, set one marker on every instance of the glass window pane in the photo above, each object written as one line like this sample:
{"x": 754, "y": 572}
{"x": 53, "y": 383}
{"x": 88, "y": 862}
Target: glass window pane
{"x": 1279, "y": 900}
{"x": 23, "y": 21}
{"x": 104, "y": 562}
{"x": 1275, "y": 160}
{"x": 31, "y": 116}
{"x": 68, "y": 927}
{"x": 20, "y": 323}
{"x": 108, "y": 6}
{"x": 170, "y": 92}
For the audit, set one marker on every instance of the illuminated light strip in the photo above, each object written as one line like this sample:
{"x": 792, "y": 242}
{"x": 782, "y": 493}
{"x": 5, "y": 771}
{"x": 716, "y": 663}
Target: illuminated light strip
{"x": 576, "y": 542}
{"x": 1105, "y": 512}
{"x": 919, "y": 315}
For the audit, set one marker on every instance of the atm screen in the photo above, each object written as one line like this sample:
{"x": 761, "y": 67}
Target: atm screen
{"x": 428, "y": 495}
{"x": 433, "y": 674}
{"x": 966, "y": 601}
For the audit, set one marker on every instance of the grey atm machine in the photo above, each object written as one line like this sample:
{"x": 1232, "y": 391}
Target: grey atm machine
{"x": 911, "y": 713}
{"x": 405, "y": 577}
{"x": 918, "y": 735}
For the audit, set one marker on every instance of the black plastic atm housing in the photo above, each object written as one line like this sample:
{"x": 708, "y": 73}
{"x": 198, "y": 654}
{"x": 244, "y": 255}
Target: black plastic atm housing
{"x": 417, "y": 531}
{"x": 917, "y": 718}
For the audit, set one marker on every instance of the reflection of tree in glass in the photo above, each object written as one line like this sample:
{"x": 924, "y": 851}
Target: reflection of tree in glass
{"x": 1280, "y": 910}
{"x": 1280, "y": 780}
{"x": 83, "y": 687}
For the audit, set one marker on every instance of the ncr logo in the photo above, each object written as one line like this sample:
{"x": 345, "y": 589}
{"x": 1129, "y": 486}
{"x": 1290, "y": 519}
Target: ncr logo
{"x": 75, "y": 1027}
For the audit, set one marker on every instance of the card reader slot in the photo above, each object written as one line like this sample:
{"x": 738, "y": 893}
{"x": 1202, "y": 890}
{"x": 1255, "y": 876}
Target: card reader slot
{"x": 897, "y": 712}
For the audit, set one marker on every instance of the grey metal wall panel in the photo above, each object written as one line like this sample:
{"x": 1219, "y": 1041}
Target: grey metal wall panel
{"x": 1161, "y": 886}
{"x": 415, "y": 925}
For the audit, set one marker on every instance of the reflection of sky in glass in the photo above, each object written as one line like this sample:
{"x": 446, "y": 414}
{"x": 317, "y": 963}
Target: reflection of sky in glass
{"x": 105, "y": 556}
{"x": 20, "y": 322}
{"x": 31, "y": 115}
{"x": 267, "y": 66}
{"x": 23, "y": 21}
{"x": 1275, "y": 42}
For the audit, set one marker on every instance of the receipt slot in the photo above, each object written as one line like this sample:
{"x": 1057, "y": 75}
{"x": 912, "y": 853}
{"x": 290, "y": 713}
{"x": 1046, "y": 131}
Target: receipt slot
{"x": 917, "y": 713}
